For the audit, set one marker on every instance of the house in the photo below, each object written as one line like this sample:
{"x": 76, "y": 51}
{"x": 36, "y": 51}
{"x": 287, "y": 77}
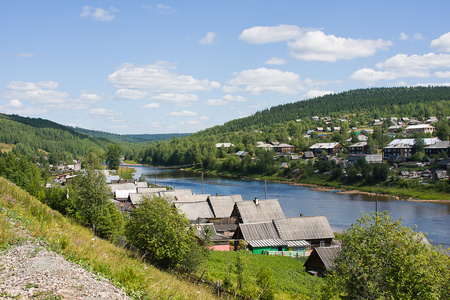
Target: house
{"x": 225, "y": 145}
{"x": 308, "y": 155}
{"x": 298, "y": 234}
{"x": 264, "y": 146}
{"x": 330, "y": 148}
{"x": 411, "y": 142}
{"x": 358, "y": 148}
{"x": 438, "y": 148}
{"x": 283, "y": 148}
{"x": 222, "y": 206}
{"x": 257, "y": 211}
{"x": 241, "y": 154}
{"x": 370, "y": 158}
{"x": 219, "y": 241}
{"x": 398, "y": 150}
{"x": 194, "y": 210}
{"x": 421, "y": 128}
{"x": 321, "y": 260}
{"x": 122, "y": 195}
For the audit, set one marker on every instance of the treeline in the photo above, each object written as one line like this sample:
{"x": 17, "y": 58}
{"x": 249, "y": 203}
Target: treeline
{"x": 362, "y": 104}
{"x": 130, "y": 138}
{"x": 31, "y": 135}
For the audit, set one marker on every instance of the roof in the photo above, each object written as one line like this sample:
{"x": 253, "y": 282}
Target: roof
{"x": 141, "y": 184}
{"x": 149, "y": 190}
{"x": 190, "y": 198}
{"x": 195, "y": 210}
{"x": 223, "y": 205}
{"x": 266, "y": 243}
{"x": 324, "y": 146}
{"x": 259, "y": 231}
{"x": 214, "y": 237}
{"x": 137, "y": 199}
{"x": 359, "y": 144}
{"x": 439, "y": 145}
{"x": 265, "y": 210}
{"x": 122, "y": 186}
{"x": 398, "y": 146}
{"x": 226, "y": 145}
{"x": 426, "y": 141}
{"x": 326, "y": 255}
{"x": 123, "y": 194}
{"x": 419, "y": 126}
{"x": 304, "y": 228}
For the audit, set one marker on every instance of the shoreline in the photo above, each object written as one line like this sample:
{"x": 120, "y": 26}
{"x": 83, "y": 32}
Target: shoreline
{"x": 315, "y": 187}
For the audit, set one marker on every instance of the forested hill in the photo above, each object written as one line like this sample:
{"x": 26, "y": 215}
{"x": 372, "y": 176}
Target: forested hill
{"x": 130, "y": 138}
{"x": 368, "y": 103}
{"x": 31, "y": 134}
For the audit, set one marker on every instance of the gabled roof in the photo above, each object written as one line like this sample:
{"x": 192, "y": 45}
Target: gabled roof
{"x": 439, "y": 145}
{"x": 325, "y": 254}
{"x": 123, "y": 194}
{"x": 265, "y": 210}
{"x": 195, "y": 210}
{"x": 137, "y": 199}
{"x": 304, "y": 228}
{"x": 223, "y": 205}
{"x": 259, "y": 231}
{"x": 190, "y": 198}
{"x": 324, "y": 146}
{"x": 398, "y": 146}
{"x": 214, "y": 237}
{"x": 122, "y": 186}
{"x": 411, "y": 142}
{"x": 141, "y": 184}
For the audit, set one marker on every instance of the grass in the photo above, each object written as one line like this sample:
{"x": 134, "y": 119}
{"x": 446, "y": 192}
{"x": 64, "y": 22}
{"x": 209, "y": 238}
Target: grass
{"x": 6, "y": 147}
{"x": 77, "y": 244}
{"x": 292, "y": 281}
{"x": 126, "y": 172}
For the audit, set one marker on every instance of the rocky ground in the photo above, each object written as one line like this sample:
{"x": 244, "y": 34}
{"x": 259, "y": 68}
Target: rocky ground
{"x": 30, "y": 271}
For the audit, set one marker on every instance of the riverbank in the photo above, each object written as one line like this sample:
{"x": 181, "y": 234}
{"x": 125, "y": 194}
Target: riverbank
{"x": 317, "y": 187}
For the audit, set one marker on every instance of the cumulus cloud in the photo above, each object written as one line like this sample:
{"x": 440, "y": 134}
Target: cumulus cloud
{"x": 209, "y": 39}
{"x": 151, "y": 105}
{"x": 316, "y": 45}
{"x": 160, "y": 9}
{"x": 265, "y": 80}
{"x": 42, "y": 92}
{"x": 276, "y": 61}
{"x": 315, "y": 93}
{"x": 103, "y": 112}
{"x": 225, "y": 100}
{"x": 99, "y": 14}
{"x": 15, "y": 106}
{"x": 440, "y": 74}
{"x": 90, "y": 96}
{"x": 270, "y": 34}
{"x": 403, "y": 36}
{"x": 402, "y": 65}
{"x": 442, "y": 44}
{"x": 184, "y": 113}
{"x": 130, "y": 94}
{"x": 418, "y": 37}
{"x": 177, "y": 99}
{"x": 158, "y": 78}
{"x": 24, "y": 55}
{"x": 312, "y": 44}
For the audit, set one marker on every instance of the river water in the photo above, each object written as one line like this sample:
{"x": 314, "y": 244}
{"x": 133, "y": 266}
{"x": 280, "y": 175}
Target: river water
{"x": 341, "y": 210}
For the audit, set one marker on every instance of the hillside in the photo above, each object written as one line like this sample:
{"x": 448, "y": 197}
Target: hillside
{"x": 32, "y": 134}
{"x": 130, "y": 138}
{"x": 365, "y": 103}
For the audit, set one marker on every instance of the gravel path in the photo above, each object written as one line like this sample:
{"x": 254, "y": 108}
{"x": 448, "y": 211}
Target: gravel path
{"x": 29, "y": 271}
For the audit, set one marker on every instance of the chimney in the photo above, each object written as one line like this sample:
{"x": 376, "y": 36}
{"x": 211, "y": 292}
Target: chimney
{"x": 256, "y": 200}
{"x": 302, "y": 215}
{"x": 217, "y": 194}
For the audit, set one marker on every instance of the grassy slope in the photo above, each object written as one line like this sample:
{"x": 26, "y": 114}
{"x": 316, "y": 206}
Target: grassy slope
{"x": 77, "y": 244}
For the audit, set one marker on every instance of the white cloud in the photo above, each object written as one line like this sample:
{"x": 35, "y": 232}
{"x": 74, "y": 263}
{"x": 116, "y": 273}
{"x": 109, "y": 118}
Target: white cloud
{"x": 418, "y": 37}
{"x": 158, "y": 78}
{"x": 265, "y": 80}
{"x": 402, "y": 65}
{"x": 103, "y": 112}
{"x": 35, "y": 92}
{"x": 24, "y": 55}
{"x": 442, "y": 74}
{"x": 90, "y": 96}
{"x": 16, "y": 107}
{"x": 313, "y": 44}
{"x": 99, "y": 14}
{"x": 403, "y": 36}
{"x": 216, "y": 102}
{"x": 14, "y": 103}
{"x": 184, "y": 113}
{"x": 130, "y": 94}
{"x": 151, "y": 105}
{"x": 160, "y": 9}
{"x": 276, "y": 61}
{"x": 225, "y": 100}
{"x": 155, "y": 125}
{"x": 315, "y": 93}
{"x": 316, "y": 45}
{"x": 208, "y": 39}
{"x": 270, "y": 34}
{"x": 442, "y": 44}
{"x": 177, "y": 99}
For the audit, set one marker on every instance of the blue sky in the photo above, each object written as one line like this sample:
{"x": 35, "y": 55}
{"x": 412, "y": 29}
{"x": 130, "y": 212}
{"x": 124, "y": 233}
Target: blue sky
{"x": 182, "y": 66}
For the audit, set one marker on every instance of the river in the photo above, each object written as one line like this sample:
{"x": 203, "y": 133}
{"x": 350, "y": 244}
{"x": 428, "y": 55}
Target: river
{"x": 340, "y": 209}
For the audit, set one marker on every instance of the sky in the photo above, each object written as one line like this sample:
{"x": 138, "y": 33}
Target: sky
{"x": 149, "y": 67}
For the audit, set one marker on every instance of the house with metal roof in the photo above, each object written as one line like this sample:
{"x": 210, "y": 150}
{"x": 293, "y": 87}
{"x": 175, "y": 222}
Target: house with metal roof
{"x": 438, "y": 148}
{"x": 321, "y": 260}
{"x": 330, "y": 148}
{"x": 194, "y": 210}
{"x": 222, "y": 206}
{"x": 252, "y": 211}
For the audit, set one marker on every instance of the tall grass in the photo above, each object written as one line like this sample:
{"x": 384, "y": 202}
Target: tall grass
{"x": 139, "y": 279}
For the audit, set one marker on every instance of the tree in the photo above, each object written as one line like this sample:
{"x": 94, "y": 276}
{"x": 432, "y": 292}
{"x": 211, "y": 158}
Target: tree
{"x": 381, "y": 259}
{"x": 113, "y": 156}
{"x": 160, "y": 232}
{"x": 266, "y": 283}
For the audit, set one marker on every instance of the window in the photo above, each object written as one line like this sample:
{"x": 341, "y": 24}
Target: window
{"x": 322, "y": 243}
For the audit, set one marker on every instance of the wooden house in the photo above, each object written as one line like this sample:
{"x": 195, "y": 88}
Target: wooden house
{"x": 332, "y": 149}
{"x": 222, "y": 206}
{"x": 257, "y": 211}
{"x": 398, "y": 150}
{"x": 438, "y": 148}
{"x": 219, "y": 241}
{"x": 358, "y": 148}
{"x": 321, "y": 260}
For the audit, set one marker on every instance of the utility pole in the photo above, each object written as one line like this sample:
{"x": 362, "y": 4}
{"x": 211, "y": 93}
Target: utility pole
{"x": 265, "y": 189}
{"x": 202, "y": 183}
{"x": 155, "y": 176}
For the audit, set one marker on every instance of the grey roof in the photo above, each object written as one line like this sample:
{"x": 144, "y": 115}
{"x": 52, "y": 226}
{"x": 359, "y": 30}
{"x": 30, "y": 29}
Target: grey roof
{"x": 324, "y": 146}
{"x": 122, "y": 186}
{"x": 439, "y": 145}
{"x": 225, "y": 227}
{"x": 214, "y": 237}
{"x": 137, "y": 199}
{"x": 223, "y": 205}
{"x": 359, "y": 144}
{"x": 195, "y": 210}
{"x": 327, "y": 255}
{"x": 265, "y": 210}
{"x": 411, "y": 142}
{"x": 259, "y": 231}
{"x": 190, "y": 198}
{"x": 399, "y": 146}
{"x": 146, "y": 190}
{"x": 141, "y": 184}
{"x": 304, "y": 228}
{"x": 123, "y": 194}
{"x": 266, "y": 243}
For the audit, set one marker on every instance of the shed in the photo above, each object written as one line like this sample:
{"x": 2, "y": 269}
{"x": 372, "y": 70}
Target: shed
{"x": 321, "y": 260}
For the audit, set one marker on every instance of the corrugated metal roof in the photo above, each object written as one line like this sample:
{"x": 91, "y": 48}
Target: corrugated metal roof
{"x": 123, "y": 194}
{"x": 267, "y": 243}
{"x": 190, "y": 198}
{"x": 327, "y": 255}
{"x": 223, "y": 205}
{"x": 145, "y": 190}
{"x": 300, "y": 243}
{"x": 303, "y": 228}
{"x": 259, "y": 231}
{"x": 122, "y": 186}
{"x": 265, "y": 210}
